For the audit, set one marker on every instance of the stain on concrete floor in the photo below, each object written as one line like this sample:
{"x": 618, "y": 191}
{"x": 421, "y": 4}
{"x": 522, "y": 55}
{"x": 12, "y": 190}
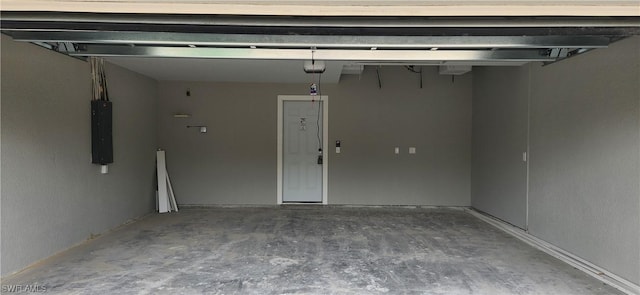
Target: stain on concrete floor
{"x": 308, "y": 250}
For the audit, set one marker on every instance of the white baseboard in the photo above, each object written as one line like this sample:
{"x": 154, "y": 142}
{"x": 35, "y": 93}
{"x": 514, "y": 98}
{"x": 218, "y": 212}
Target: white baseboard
{"x": 573, "y": 260}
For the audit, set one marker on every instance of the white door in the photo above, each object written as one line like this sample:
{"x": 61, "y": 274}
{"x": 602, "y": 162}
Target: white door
{"x": 302, "y": 144}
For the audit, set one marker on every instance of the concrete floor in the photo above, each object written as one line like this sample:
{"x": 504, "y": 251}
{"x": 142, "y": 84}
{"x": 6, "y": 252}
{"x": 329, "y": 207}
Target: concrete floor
{"x": 308, "y": 250}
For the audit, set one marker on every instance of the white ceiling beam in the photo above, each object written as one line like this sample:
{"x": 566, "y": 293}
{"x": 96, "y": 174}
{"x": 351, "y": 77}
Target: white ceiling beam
{"x": 340, "y": 8}
{"x": 308, "y": 41}
{"x": 302, "y": 54}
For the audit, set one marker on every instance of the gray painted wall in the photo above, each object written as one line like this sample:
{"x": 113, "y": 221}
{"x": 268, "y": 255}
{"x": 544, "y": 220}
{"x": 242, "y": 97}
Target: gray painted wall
{"x": 52, "y": 196}
{"x": 499, "y": 137}
{"x": 235, "y": 162}
{"x": 584, "y": 173}
{"x": 370, "y": 122}
{"x": 585, "y": 163}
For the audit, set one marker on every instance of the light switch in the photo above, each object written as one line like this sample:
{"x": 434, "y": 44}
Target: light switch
{"x": 412, "y": 150}
{"x": 337, "y": 150}
{"x": 397, "y": 150}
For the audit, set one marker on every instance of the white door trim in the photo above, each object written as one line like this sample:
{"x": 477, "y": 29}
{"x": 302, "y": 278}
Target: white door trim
{"x": 325, "y": 141}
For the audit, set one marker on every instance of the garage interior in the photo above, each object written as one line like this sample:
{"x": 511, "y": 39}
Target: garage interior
{"x": 467, "y": 149}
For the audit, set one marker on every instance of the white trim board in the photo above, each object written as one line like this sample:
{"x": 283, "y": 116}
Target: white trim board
{"x": 165, "y": 198}
{"x": 591, "y": 269}
{"x": 163, "y": 195}
{"x": 325, "y": 143}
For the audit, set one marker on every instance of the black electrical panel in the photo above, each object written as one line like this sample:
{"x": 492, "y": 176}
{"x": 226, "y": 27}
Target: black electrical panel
{"x": 101, "y": 132}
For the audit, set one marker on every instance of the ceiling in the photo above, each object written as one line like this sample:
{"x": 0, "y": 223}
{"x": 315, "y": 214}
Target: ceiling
{"x": 226, "y": 70}
{"x": 201, "y": 46}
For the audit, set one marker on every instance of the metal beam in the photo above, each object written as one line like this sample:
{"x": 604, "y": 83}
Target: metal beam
{"x": 328, "y": 54}
{"x": 355, "y": 26}
{"x": 307, "y": 41}
{"x": 354, "y": 31}
{"x": 319, "y": 21}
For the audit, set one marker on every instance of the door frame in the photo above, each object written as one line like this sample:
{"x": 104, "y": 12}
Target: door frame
{"x": 325, "y": 142}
